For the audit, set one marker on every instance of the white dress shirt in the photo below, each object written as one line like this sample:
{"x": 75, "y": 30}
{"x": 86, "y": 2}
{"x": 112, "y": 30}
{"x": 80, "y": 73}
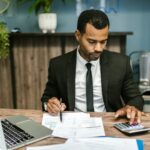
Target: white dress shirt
{"x": 80, "y": 83}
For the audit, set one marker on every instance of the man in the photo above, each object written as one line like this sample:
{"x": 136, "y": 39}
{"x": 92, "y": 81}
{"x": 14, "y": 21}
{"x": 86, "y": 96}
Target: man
{"x": 111, "y": 86}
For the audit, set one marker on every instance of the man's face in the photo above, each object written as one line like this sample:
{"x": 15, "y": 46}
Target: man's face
{"x": 92, "y": 42}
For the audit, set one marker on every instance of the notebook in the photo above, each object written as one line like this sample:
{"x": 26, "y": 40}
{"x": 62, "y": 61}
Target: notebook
{"x": 18, "y": 131}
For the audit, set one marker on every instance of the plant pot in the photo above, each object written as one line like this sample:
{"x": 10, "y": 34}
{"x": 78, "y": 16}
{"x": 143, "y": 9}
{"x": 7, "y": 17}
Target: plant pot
{"x": 47, "y": 22}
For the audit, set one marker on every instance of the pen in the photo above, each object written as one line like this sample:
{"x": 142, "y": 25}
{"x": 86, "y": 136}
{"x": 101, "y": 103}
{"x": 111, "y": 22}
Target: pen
{"x": 60, "y": 114}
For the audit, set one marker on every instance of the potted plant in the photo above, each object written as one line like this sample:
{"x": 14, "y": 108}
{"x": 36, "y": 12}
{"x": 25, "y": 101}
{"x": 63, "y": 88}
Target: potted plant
{"x": 4, "y": 41}
{"x": 4, "y": 34}
{"x": 47, "y": 20}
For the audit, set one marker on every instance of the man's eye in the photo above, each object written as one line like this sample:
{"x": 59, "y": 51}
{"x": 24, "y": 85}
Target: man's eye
{"x": 103, "y": 42}
{"x": 92, "y": 42}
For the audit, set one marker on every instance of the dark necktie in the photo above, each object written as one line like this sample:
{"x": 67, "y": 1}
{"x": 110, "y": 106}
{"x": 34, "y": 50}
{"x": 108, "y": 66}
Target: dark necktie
{"x": 89, "y": 89}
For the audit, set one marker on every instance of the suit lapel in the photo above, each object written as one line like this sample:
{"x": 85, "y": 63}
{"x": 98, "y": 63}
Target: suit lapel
{"x": 104, "y": 77}
{"x": 71, "y": 71}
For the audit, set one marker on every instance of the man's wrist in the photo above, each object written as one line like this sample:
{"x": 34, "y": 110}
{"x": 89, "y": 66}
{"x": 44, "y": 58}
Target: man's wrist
{"x": 45, "y": 106}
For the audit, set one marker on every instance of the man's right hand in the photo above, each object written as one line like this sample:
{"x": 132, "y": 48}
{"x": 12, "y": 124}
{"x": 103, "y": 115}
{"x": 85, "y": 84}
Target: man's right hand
{"x": 54, "y": 106}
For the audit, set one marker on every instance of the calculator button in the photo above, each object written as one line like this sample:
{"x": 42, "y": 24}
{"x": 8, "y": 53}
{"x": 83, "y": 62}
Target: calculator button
{"x": 121, "y": 125}
{"x": 126, "y": 124}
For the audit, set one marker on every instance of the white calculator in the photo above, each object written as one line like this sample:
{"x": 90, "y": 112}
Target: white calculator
{"x": 131, "y": 129}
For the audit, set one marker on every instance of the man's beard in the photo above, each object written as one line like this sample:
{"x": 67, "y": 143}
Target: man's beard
{"x": 95, "y": 55}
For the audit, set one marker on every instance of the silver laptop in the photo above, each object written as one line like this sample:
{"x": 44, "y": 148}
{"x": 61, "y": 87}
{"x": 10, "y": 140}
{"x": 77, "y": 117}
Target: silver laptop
{"x": 18, "y": 131}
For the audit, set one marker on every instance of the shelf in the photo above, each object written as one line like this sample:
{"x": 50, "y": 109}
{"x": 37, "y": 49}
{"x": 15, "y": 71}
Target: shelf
{"x": 65, "y": 34}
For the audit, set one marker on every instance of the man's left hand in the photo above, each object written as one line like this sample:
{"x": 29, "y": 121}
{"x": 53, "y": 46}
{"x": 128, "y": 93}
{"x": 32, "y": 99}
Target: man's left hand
{"x": 132, "y": 113}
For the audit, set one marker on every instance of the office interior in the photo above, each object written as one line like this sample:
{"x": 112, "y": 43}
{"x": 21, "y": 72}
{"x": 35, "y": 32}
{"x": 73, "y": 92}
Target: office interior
{"x": 24, "y": 73}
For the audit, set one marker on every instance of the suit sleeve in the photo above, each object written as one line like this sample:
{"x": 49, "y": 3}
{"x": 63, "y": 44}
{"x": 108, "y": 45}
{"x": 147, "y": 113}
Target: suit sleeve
{"x": 130, "y": 91}
{"x": 51, "y": 85}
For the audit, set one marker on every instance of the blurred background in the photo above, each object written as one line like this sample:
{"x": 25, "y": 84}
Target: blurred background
{"x": 124, "y": 15}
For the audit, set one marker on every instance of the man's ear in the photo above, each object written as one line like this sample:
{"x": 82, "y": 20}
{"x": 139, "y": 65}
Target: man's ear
{"x": 77, "y": 35}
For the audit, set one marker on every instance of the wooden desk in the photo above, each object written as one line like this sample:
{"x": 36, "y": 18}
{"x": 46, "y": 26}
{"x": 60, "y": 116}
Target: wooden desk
{"x": 108, "y": 120}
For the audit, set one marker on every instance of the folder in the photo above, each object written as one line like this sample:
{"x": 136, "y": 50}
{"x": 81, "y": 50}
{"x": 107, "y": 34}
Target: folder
{"x": 140, "y": 144}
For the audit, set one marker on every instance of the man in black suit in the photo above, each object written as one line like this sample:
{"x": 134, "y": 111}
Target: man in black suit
{"x": 113, "y": 88}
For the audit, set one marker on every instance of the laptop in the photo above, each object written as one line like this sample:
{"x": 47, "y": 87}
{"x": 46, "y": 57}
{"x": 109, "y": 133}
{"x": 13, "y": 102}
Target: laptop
{"x": 18, "y": 131}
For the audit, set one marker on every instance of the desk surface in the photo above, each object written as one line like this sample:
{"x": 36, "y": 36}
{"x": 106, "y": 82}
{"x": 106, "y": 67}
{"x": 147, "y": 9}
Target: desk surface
{"x": 108, "y": 120}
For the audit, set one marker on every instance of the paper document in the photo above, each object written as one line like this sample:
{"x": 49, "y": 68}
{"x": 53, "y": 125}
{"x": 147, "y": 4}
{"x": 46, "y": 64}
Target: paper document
{"x": 108, "y": 143}
{"x": 51, "y": 121}
{"x": 80, "y": 127}
{"x": 68, "y": 146}
{"x": 74, "y": 124}
{"x": 104, "y": 143}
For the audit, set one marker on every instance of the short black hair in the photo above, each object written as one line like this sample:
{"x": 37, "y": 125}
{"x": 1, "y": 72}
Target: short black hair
{"x": 97, "y": 18}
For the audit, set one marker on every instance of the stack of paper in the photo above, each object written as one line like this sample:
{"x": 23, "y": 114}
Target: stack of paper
{"x": 74, "y": 125}
{"x": 82, "y": 132}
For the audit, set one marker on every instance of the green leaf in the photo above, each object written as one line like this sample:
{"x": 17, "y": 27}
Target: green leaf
{"x": 44, "y": 6}
{"x": 4, "y": 41}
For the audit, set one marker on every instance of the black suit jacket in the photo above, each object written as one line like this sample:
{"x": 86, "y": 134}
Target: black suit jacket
{"x": 118, "y": 86}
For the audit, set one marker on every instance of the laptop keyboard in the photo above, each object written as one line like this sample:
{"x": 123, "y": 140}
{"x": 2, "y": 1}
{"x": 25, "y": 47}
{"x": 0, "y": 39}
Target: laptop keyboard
{"x": 13, "y": 134}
